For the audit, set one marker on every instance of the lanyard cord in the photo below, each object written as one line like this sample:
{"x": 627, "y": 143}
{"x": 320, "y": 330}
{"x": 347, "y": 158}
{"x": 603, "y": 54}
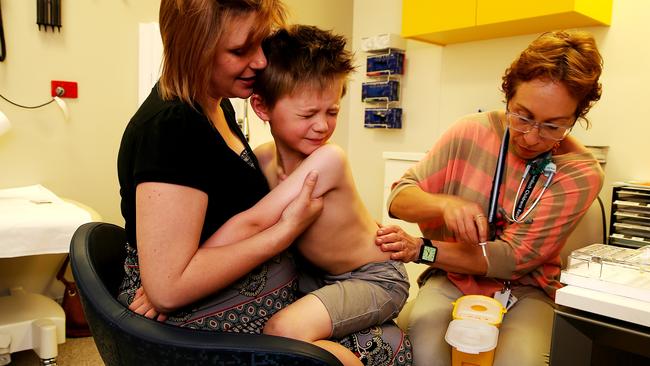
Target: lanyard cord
{"x": 520, "y": 203}
{"x": 496, "y": 186}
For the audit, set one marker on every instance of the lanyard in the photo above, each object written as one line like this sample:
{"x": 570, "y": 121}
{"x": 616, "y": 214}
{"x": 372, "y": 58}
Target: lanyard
{"x": 496, "y": 186}
{"x": 521, "y": 204}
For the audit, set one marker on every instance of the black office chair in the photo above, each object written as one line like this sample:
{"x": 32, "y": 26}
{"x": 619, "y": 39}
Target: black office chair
{"x": 97, "y": 253}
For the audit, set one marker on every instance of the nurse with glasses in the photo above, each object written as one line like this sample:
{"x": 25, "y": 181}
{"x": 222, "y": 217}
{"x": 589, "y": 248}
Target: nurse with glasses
{"x": 549, "y": 180}
{"x": 546, "y": 130}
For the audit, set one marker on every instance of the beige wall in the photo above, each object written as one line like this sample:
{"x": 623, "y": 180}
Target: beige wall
{"x": 98, "y": 48}
{"x": 444, "y": 83}
{"x": 420, "y": 93}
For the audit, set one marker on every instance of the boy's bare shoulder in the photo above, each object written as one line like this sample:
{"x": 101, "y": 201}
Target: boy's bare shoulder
{"x": 265, "y": 153}
{"x": 331, "y": 152}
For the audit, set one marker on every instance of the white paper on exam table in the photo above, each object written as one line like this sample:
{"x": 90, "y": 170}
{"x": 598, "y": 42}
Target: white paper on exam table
{"x": 34, "y": 220}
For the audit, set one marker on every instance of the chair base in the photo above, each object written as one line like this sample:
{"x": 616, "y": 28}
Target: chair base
{"x": 33, "y": 321}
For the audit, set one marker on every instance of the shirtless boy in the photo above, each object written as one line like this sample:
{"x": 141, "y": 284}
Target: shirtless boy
{"x": 299, "y": 94}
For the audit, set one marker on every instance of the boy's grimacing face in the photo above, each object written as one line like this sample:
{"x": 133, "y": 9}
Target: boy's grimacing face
{"x": 306, "y": 119}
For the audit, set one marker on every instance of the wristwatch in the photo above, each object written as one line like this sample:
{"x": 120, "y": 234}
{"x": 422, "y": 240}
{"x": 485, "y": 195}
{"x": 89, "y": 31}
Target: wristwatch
{"x": 427, "y": 252}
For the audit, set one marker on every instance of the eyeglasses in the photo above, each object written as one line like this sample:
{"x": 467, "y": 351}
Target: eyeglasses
{"x": 546, "y": 130}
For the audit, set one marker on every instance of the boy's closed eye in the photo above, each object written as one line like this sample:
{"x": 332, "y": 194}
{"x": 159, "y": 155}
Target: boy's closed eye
{"x": 333, "y": 112}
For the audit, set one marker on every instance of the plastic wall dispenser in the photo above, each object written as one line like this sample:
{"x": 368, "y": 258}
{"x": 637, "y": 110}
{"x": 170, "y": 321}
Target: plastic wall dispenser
{"x": 391, "y": 63}
{"x": 379, "y": 91}
{"x": 383, "y": 118}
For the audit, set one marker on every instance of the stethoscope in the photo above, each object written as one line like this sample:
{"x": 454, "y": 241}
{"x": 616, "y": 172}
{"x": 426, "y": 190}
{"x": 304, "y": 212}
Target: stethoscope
{"x": 543, "y": 165}
{"x": 540, "y": 166}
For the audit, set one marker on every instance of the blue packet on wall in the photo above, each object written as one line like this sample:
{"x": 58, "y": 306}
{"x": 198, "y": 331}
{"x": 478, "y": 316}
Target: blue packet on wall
{"x": 380, "y": 91}
{"x": 383, "y": 118}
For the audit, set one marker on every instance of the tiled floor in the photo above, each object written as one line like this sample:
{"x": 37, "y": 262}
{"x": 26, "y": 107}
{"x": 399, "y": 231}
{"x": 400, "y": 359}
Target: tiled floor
{"x": 74, "y": 352}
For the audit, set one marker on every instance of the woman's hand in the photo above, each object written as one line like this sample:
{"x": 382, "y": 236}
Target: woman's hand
{"x": 304, "y": 209}
{"x": 392, "y": 238}
{"x": 465, "y": 219}
{"x": 141, "y": 305}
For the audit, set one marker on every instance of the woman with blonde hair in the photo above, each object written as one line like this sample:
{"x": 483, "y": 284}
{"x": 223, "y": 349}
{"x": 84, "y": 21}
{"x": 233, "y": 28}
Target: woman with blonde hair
{"x": 185, "y": 168}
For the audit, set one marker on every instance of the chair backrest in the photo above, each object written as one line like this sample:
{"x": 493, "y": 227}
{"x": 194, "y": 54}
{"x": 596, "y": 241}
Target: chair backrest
{"x": 588, "y": 231}
{"x": 97, "y": 254}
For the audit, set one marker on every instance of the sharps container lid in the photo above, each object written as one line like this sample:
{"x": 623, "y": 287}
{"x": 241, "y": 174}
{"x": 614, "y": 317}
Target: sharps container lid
{"x": 478, "y": 307}
{"x": 472, "y": 336}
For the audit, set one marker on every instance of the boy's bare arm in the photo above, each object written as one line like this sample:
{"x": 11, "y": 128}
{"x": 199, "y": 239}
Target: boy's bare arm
{"x": 328, "y": 160}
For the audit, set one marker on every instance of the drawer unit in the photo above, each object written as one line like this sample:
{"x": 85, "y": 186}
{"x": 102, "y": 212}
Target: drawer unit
{"x": 630, "y": 216}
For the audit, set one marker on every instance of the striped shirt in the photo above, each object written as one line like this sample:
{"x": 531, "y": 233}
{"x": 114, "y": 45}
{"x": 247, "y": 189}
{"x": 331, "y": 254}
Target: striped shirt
{"x": 462, "y": 164}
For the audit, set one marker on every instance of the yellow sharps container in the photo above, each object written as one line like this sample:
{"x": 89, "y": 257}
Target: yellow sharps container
{"x": 479, "y": 307}
{"x": 473, "y": 342}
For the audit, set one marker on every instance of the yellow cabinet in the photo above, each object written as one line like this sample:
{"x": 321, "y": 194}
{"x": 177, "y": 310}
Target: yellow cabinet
{"x": 444, "y": 22}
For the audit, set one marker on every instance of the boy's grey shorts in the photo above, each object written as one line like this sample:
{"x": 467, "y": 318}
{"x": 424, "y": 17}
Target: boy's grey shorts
{"x": 370, "y": 295}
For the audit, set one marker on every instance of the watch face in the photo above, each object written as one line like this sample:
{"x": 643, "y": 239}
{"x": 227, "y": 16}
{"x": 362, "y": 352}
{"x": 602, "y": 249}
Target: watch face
{"x": 429, "y": 254}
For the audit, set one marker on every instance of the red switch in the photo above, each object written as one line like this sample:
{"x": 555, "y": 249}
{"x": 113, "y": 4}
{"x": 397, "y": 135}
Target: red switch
{"x": 64, "y": 89}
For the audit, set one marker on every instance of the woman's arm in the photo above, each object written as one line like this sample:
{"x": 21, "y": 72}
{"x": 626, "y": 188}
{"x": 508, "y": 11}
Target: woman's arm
{"x": 464, "y": 218}
{"x": 176, "y": 271}
{"x": 325, "y": 160}
{"x": 451, "y": 257}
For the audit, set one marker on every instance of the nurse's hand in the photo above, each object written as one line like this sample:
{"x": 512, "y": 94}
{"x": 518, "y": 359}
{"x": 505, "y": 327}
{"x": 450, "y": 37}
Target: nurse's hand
{"x": 405, "y": 247}
{"x": 466, "y": 220}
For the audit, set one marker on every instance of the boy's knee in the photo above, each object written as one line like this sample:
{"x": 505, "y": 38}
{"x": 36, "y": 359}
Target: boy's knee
{"x": 277, "y": 326}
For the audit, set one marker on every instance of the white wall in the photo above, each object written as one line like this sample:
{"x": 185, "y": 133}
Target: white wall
{"x": 444, "y": 83}
{"x": 420, "y": 94}
{"x": 97, "y": 47}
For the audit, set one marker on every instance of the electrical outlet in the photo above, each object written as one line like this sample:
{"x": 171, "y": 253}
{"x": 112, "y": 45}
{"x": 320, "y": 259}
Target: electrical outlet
{"x": 64, "y": 89}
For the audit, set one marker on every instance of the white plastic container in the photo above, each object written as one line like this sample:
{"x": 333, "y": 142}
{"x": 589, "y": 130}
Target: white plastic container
{"x": 473, "y": 342}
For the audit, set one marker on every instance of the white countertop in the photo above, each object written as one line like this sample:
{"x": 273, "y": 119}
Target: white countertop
{"x": 597, "y": 302}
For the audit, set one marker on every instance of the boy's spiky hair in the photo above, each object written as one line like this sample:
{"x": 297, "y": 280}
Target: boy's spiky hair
{"x": 301, "y": 55}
